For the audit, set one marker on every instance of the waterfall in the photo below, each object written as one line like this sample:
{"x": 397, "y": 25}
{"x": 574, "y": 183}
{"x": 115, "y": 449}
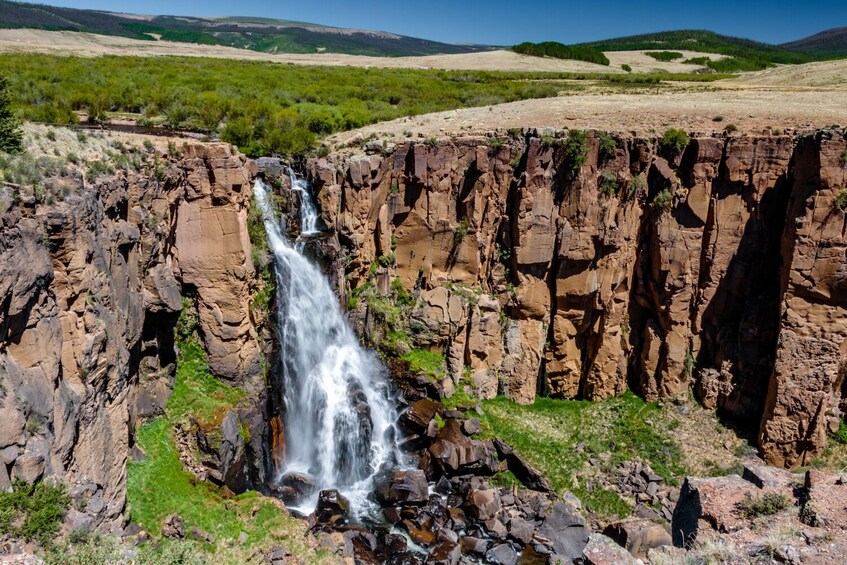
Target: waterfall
{"x": 339, "y": 417}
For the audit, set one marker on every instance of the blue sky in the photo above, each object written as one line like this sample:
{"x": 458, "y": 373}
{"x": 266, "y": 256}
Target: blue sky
{"x": 508, "y": 22}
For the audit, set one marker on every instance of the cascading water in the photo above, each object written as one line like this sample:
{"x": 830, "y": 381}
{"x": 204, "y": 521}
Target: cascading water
{"x": 339, "y": 418}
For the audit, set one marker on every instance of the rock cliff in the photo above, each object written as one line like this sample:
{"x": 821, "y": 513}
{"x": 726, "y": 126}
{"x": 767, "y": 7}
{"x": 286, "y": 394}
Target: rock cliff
{"x": 719, "y": 268}
{"x": 91, "y": 289}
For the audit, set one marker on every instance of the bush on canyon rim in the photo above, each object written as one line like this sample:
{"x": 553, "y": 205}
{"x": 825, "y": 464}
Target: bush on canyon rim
{"x": 674, "y": 141}
{"x": 10, "y": 127}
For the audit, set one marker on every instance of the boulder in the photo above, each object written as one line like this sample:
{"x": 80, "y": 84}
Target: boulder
{"x": 401, "y": 487}
{"x": 638, "y": 536}
{"x": 565, "y": 529}
{"x": 602, "y": 550}
{"x": 332, "y": 507}
{"x": 445, "y": 553}
{"x": 502, "y": 554}
{"x": 420, "y": 414}
{"x": 482, "y": 504}
{"x": 453, "y": 453}
{"x": 173, "y": 527}
{"x": 522, "y": 470}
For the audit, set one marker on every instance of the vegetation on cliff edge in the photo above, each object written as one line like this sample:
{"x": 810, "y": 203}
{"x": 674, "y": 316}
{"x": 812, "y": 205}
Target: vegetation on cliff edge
{"x": 560, "y": 437}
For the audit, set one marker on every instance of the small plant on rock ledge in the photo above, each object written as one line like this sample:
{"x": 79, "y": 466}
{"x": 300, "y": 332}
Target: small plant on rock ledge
{"x": 608, "y": 146}
{"x": 766, "y": 505}
{"x": 843, "y": 159}
{"x": 608, "y": 183}
{"x": 637, "y": 185}
{"x": 576, "y": 149}
{"x": 663, "y": 200}
{"x": 841, "y": 199}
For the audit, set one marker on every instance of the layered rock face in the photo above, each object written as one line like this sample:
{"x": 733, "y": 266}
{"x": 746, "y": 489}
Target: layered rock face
{"x": 536, "y": 276}
{"x": 90, "y": 290}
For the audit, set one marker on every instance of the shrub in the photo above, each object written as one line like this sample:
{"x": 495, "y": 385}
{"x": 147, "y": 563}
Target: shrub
{"x": 461, "y": 231}
{"x": 674, "y": 141}
{"x": 11, "y": 136}
{"x": 840, "y": 436}
{"x": 730, "y": 128}
{"x": 664, "y": 56}
{"x": 637, "y": 185}
{"x": 33, "y": 512}
{"x": 608, "y": 146}
{"x": 841, "y": 199}
{"x": 626, "y": 68}
{"x": 663, "y": 200}
{"x": 717, "y": 118}
{"x": 576, "y": 149}
{"x": 766, "y": 505}
{"x": 608, "y": 184}
{"x": 843, "y": 159}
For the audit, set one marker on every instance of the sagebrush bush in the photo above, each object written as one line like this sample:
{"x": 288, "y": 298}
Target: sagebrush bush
{"x": 576, "y": 149}
{"x": 674, "y": 141}
{"x": 768, "y": 504}
{"x": 841, "y": 199}
{"x": 607, "y": 146}
{"x": 33, "y": 512}
{"x": 663, "y": 200}
{"x": 11, "y": 136}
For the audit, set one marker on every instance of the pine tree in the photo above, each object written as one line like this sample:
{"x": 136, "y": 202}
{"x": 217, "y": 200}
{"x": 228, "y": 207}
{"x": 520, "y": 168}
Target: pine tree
{"x": 10, "y": 127}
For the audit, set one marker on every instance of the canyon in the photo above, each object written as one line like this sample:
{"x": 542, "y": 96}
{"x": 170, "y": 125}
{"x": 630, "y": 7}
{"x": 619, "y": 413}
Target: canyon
{"x": 716, "y": 271}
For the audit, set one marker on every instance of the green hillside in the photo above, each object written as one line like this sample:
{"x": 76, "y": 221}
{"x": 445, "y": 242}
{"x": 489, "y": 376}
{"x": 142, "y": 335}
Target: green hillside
{"x": 257, "y": 34}
{"x": 743, "y": 54}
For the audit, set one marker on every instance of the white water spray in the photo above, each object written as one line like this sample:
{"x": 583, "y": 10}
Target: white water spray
{"x": 339, "y": 419}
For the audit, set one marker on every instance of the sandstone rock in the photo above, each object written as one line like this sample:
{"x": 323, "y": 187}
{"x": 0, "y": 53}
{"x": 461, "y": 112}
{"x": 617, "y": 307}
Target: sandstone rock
{"x": 482, "y": 504}
{"x": 602, "y": 550}
{"x": 638, "y": 536}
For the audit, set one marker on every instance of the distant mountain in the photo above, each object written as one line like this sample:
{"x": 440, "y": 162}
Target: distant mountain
{"x": 257, "y": 34}
{"x": 826, "y": 43}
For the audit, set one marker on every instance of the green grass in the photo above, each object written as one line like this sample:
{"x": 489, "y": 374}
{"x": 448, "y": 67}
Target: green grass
{"x": 427, "y": 362}
{"x": 612, "y": 431}
{"x": 197, "y": 392}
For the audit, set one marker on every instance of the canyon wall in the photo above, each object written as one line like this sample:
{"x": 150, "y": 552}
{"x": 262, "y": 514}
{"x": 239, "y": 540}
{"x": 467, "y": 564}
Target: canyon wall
{"x": 720, "y": 269}
{"x": 91, "y": 289}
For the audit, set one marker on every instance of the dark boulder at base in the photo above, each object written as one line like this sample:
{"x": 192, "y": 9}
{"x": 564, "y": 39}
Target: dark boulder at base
{"x": 332, "y": 508}
{"x": 401, "y": 487}
{"x": 566, "y": 530}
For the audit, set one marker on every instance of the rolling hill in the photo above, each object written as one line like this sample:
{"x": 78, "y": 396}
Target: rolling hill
{"x": 257, "y": 34}
{"x": 742, "y": 54}
{"x": 832, "y": 42}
